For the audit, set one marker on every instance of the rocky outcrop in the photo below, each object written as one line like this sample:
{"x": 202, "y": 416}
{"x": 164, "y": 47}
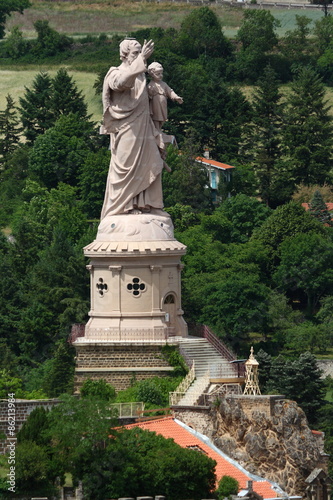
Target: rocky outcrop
{"x": 279, "y": 446}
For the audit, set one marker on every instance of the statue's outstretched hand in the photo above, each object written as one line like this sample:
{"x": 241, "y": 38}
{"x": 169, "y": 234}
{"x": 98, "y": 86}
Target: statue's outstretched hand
{"x": 147, "y": 49}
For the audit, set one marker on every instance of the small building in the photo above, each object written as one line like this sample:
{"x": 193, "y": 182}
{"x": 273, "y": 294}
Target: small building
{"x": 217, "y": 172}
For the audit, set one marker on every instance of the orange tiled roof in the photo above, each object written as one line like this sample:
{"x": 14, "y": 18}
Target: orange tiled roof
{"x": 168, "y": 427}
{"x": 213, "y": 163}
{"x": 317, "y": 433}
{"x": 328, "y": 205}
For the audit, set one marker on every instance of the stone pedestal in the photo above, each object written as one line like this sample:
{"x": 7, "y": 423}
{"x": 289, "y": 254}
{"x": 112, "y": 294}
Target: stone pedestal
{"x": 135, "y": 271}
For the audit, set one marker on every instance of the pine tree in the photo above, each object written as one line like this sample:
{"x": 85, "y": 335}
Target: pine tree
{"x": 308, "y": 131}
{"x": 9, "y": 129}
{"x": 66, "y": 98}
{"x": 318, "y": 209}
{"x": 266, "y": 133}
{"x": 35, "y": 107}
{"x": 60, "y": 377}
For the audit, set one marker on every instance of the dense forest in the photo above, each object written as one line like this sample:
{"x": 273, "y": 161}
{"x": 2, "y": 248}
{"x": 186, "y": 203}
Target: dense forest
{"x": 258, "y": 268}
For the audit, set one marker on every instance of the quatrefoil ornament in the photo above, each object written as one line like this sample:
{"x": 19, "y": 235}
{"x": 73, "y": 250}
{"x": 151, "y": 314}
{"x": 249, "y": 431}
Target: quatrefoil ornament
{"x": 136, "y": 287}
{"x": 101, "y": 287}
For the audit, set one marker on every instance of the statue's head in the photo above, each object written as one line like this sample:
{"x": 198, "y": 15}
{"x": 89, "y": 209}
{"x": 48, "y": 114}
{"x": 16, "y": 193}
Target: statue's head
{"x": 155, "y": 70}
{"x": 129, "y": 49}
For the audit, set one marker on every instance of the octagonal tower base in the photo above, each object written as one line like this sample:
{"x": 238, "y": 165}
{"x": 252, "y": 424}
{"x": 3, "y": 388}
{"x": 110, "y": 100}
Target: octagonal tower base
{"x": 135, "y": 269}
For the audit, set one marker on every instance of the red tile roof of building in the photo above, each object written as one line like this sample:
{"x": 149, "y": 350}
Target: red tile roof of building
{"x": 213, "y": 163}
{"x": 168, "y": 427}
{"x": 328, "y": 205}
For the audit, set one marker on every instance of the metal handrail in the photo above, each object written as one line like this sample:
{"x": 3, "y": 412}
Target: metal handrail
{"x": 176, "y": 395}
{"x": 128, "y": 409}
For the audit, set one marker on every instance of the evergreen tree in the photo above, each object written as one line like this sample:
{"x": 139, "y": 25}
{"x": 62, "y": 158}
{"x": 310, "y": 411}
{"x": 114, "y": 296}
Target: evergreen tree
{"x": 318, "y": 209}
{"x": 266, "y": 134}
{"x": 299, "y": 380}
{"x": 60, "y": 378}
{"x": 66, "y": 98}
{"x": 308, "y": 131}
{"x": 32, "y": 429}
{"x": 35, "y": 107}
{"x": 9, "y": 129}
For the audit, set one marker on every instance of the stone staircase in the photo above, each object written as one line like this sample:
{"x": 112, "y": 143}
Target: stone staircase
{"x": 192, "y": 395}
{"x": 206, "y": 358}
{"x": 208, "y": 363}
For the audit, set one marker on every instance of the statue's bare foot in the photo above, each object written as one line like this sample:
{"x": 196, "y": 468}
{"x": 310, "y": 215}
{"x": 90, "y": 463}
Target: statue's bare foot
{"x": 146, "y": 210}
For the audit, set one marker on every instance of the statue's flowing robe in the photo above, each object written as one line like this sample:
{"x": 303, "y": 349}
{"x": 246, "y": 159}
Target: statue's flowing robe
{"x": 134, "y": 179}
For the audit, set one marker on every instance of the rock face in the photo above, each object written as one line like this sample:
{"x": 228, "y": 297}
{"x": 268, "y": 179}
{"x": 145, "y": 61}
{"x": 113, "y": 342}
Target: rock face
{"x": 279, "y": 446}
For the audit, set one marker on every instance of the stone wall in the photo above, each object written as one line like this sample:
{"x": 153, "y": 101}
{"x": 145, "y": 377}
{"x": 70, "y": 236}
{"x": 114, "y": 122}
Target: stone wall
{"x": 263, "y": 404}
{"x": 91, "y": 355}
{"x": 326, "y": 365}
{"x": 270, "y": 438}
{"x": 198, "y": 418}
{"x": 119, "y": 363}
{"x": 119, "y": 379}
{"x": 23, "y": 408}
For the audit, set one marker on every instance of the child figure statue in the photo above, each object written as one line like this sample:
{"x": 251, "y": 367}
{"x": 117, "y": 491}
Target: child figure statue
{"x": 159, "y": 92}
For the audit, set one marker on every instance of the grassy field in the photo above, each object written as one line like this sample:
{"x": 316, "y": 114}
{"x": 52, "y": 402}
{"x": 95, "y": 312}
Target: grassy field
{"x": 14, "y": 82}
{"x": 111, "y": 17}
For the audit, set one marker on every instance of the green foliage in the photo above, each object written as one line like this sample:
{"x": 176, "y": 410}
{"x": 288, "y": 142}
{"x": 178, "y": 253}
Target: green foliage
{"x": 66, "y": 98}
{"x": 35, "y": 107}
{"x": 257, "y": 37}
{"x": 286, "y": 221}
{"x": 174, "y": 358}
{"x": 47, "y": 101}
{"x": 57, "y": 157}
{"x": 318, "y": 208}
{"x": 183, "y": 216}
{"x": 34, "y": 427}
{"x": 245, "y": 214}
{"x": 265, "y": 136}
{"x": 227, "y": 486}
{"x": 9, "y": 130}
{"x": 79, "y": 440}
{"x": 307, "y": 337}
{"x": 99, "y": 389}
{"x": 92, "y": 181}
{"x": 299, "y": 380}
{"x": 15, "y": 46}
{"x": 201, "y": 34}
{"x": 137, "y": 460}
{"x": 308, "y": 132}
{"x": 32, "y": 470}
{"x": 186, "y": 184}
{"x": 49, "y": 42}
{"x": 9, "y": 384}
{"x": 154, "y": 392}
{"x": 60, "y": 378}
{"x": 306, "y": 265}
{"x": 296, "y": 43}
{"x": 8, "y": 6}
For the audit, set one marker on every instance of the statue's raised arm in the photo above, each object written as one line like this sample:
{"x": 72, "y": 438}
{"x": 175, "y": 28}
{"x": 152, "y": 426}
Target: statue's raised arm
{"x": 134, "y": 179}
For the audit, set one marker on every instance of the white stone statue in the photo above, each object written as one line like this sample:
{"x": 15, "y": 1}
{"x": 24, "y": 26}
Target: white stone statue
{"x": 134, "y": 179}
{"x": 159, "y": 92}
